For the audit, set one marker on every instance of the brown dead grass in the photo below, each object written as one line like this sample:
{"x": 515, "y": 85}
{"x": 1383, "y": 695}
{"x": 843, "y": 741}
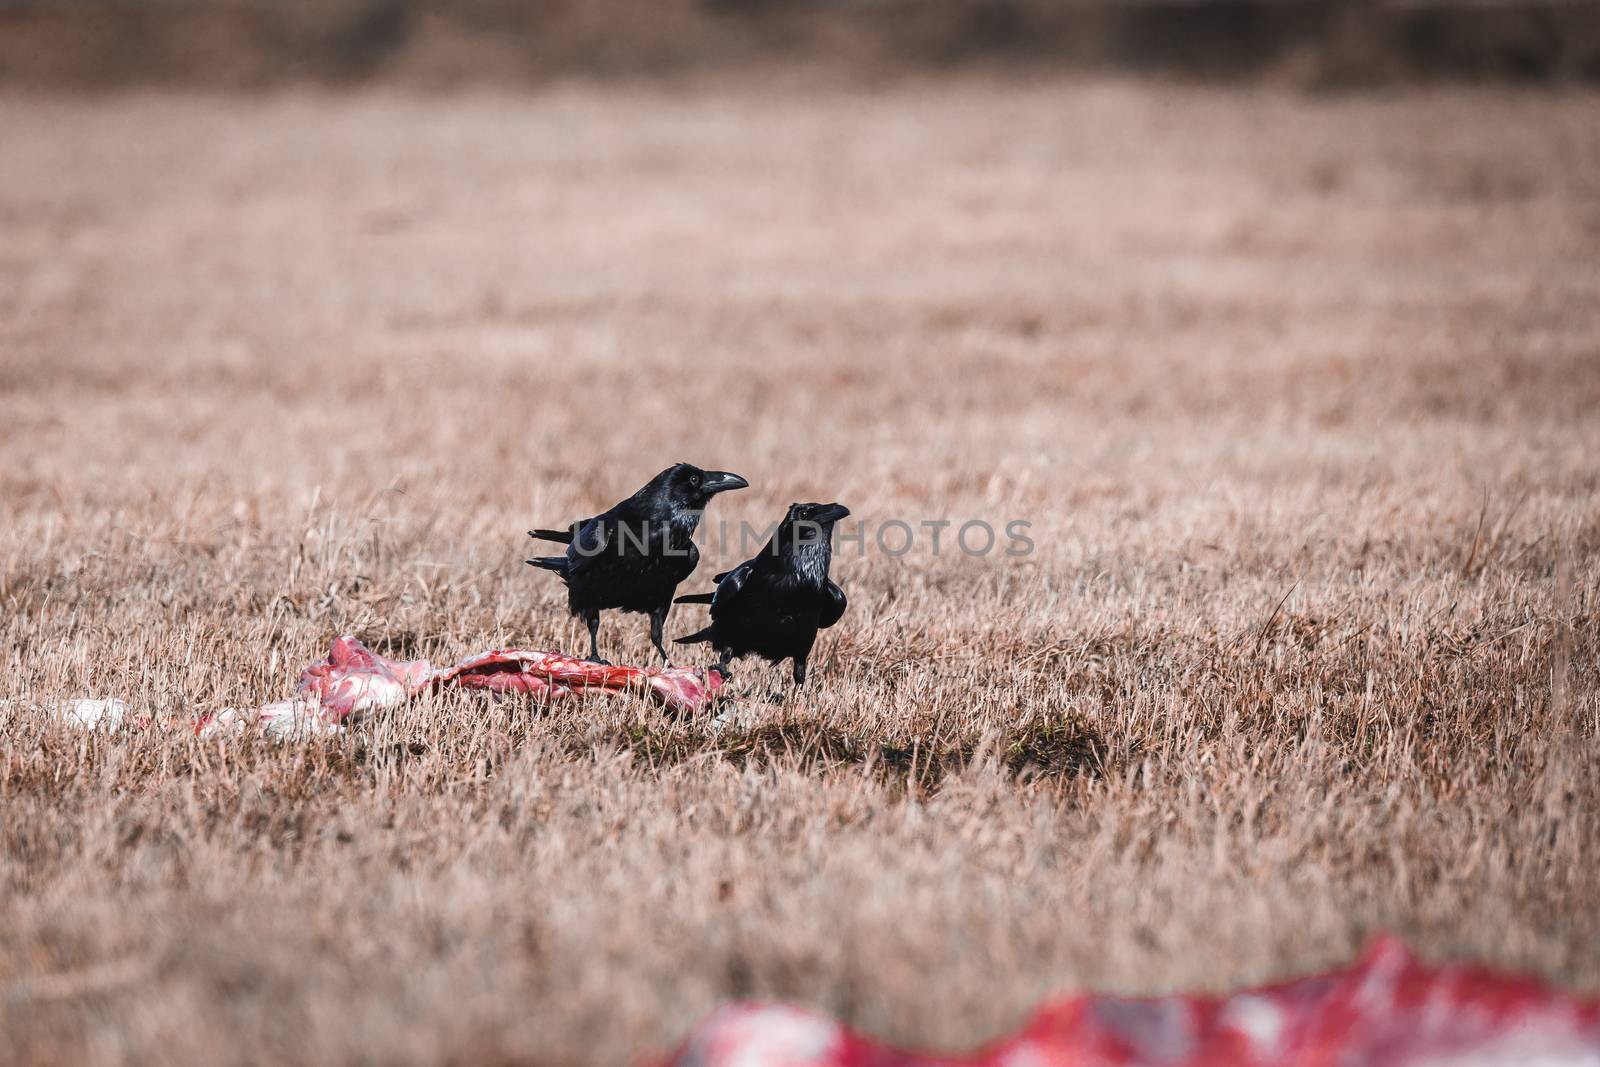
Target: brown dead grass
{"x": 1298, "y": 395}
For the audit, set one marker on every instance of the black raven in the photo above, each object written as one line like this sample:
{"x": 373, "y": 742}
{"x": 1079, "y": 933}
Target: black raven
{"x": 634, "y": 555}
{"x": 774, "y": 604}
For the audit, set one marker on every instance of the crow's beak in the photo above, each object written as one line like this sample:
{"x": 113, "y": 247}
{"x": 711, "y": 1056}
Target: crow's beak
{"x": 721, "y": 482}
{"x": 831, "y": 513}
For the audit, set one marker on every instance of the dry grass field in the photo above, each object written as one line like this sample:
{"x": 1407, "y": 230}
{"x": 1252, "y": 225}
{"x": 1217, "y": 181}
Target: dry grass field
{"x": 1298, "y": 393}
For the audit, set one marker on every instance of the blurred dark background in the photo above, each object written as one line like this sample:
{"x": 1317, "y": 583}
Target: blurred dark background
{"x": 257, "y": 43}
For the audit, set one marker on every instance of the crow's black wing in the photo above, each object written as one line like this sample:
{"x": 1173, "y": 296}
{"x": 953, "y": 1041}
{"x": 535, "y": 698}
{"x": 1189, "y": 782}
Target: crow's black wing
{"x": 730, "y": 585}
{"x": 588, "y": 544}
{"x": 833, "y": 603}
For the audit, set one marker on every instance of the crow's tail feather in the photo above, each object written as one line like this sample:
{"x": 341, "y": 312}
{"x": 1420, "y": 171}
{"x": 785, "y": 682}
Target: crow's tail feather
{"x": 699, "y": 637}
{"x": 694, "y": 598}
{"x": 560, "y": 537}
{"x": 550, "y": 563}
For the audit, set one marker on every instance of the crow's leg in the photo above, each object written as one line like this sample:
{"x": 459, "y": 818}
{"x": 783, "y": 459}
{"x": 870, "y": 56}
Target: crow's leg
{"x": 778, "y": 696}
{"x": 591, "y": 618}
{"x": 658, "y": 620}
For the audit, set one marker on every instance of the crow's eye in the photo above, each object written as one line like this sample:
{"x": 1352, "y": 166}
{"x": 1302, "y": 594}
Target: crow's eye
{"x": 694, "y": 480}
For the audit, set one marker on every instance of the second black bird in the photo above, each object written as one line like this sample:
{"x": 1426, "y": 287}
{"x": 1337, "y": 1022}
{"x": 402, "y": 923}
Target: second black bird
{"x": 774, "y": 604}
{"x": 633, "y": 555}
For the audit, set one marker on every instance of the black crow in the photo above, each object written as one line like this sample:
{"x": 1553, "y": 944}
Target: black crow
{"x": 634, "y": 555}
{"x": 773, "y": 605}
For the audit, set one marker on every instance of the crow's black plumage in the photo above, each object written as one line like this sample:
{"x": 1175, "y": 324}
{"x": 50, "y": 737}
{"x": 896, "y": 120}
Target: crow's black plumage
{"x": 633, "y": 556}
{"x": 774, "y": 604}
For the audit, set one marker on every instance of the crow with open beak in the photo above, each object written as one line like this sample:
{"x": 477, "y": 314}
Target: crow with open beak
{"x": 632, "y": 556}
{"x": 774, "y": 604}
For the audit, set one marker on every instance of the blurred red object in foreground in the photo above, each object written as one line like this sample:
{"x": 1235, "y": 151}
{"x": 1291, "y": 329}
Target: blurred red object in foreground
{"x": 354, "y": 680}
{"x": 1388, "y": 1010}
